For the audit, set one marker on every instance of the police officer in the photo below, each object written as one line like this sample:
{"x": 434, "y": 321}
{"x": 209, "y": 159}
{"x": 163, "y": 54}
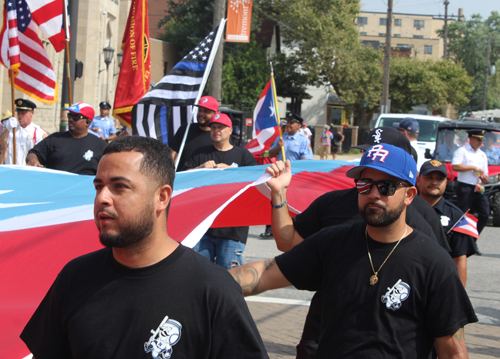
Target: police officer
{"x": 472, "y": 166}
{"x": 431, "y": 184}
{"x": 296, "y": 144}
{"x": 102, "y": 124}
{"x": 28, "y": 134}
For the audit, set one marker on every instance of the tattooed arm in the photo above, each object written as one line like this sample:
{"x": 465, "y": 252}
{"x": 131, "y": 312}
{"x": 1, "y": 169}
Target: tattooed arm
{"x": 451, "y": 346}
{"x": 257, "y": 277}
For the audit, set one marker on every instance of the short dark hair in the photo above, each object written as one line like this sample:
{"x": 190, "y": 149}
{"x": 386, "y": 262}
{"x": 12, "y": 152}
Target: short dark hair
{"x": 157, "y": 162}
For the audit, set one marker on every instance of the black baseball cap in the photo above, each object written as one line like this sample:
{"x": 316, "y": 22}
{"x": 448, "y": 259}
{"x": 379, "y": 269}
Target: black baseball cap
{"x": 388, "y": 135}
{"x": 433, "y": 166}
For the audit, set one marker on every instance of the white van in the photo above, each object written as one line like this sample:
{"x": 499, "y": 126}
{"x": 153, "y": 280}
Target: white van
{"x": 428, "y": 127}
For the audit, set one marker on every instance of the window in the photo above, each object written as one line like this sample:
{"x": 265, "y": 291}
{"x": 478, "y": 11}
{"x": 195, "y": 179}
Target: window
{"x": 362, "y": 33}
{"x": 403, "y": 46}
{"x": 397, "y": 35}
{"x": 418, "y": 23}
{"x": 362, "y": 20}
{"x": 428, "y": 49}
{"x": 397, "y": 22}
{"x": 381, "y": 34}
{"x": 418, "y": 36}
{"x": 383, "y": 21}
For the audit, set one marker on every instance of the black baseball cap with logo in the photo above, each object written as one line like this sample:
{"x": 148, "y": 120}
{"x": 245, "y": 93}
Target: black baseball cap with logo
{"x": 388, "y": 135}
{"x": 433, "y": 166}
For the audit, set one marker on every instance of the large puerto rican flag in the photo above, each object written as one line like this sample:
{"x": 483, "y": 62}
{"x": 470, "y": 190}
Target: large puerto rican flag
{"x": 265, "y": 128}
{"x": 46, "y": 219}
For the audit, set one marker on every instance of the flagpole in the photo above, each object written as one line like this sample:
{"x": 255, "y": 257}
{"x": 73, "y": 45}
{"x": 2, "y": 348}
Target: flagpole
{"x": 463, "y": 215}
{"x": 68, "y": 67}
{"x": 275, "y": 97}
{"x": 13, "y": 112}
{"x": 202, "y": 86}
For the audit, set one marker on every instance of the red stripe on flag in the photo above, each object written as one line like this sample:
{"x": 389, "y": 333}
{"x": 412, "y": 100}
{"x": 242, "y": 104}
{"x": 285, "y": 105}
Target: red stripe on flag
{"x": 48, "y": 12}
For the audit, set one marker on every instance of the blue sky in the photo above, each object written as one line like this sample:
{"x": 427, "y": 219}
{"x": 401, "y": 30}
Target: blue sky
{"x": 434, "y": 7}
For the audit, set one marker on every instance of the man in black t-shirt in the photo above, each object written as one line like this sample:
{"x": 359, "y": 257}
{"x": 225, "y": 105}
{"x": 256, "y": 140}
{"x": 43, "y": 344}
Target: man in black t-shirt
{"x": 337, "y": 140}
{"x": 389, "y": 291}
{"x": 223, "y": 246}
{"x": 431, "y": 184}
{"x": 74, "y": 151}
{"x": 341, "y": 207}
{"x": 199, "y": 133}
{"x": 144, "y": 295}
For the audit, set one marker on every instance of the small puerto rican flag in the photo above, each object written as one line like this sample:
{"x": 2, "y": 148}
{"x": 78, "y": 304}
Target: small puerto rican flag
{"x": 467, "y": 225}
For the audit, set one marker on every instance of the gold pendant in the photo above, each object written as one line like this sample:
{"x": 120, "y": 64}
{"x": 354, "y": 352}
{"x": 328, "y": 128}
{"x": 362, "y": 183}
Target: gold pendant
{"x": 373, "y": 279}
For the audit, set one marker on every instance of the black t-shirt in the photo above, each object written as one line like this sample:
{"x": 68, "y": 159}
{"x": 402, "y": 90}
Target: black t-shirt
{"x": 183, "y": 305}
{"x": 460, "y": 243}
{"x": 419, "y": 295}
{"x": 196, "y": 138}
{"x": 236, "y": 156}
{"x": 61, "y": 151}
{"x": 337, "y": 139}
{"x": 341, "y": 207}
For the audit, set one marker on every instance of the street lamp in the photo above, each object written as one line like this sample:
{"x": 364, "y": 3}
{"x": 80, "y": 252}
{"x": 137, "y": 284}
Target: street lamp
{"x": 108, "y": 57}
{"x": 119, "y": 56}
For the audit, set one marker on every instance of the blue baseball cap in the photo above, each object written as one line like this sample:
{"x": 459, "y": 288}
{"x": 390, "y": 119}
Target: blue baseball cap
{"x": 388, "y": 159}
{"x": 409, "y": 124}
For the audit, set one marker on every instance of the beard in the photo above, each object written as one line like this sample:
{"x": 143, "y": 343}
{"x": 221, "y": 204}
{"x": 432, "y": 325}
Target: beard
{"x": 381, "y": 217}
{"x": 131, "y": 233}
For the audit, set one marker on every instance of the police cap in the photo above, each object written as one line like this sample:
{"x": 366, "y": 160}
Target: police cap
{"x": 24, "y": 105}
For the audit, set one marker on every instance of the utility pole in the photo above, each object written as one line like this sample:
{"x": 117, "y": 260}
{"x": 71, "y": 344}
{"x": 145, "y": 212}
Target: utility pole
{"x": 486, "y": 70}
{"x": 215, "y": 89}
{"x": 384, "y": 103}
{"x": 445, "y": 39}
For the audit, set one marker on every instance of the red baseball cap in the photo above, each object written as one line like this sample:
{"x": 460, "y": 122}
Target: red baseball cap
{"x": 209, "y": 102}
{"x": 83, "y": 109}
{"x": 221, "y": 118}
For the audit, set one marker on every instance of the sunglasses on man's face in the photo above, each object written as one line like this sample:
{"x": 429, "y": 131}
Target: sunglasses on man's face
{"x": 75, "y": 117}
{"x": 385, "y": 187}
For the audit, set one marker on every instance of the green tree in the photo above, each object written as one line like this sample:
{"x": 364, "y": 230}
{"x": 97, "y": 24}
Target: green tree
{"x": 434, "y": 83}
{"x": 323, "y": 35}
{"x": 467, "y": 44}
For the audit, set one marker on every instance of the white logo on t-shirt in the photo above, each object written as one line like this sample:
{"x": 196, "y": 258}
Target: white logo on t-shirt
{"x": 88, "y": 155}
{"x": 395, "y": 295}
{"x": 445, "y": 220}
{"x": 164, "y": 338}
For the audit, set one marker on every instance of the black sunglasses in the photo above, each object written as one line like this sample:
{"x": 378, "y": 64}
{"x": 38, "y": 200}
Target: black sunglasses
{"x": 385, "y": 187}
{"x": 75, "y": 117}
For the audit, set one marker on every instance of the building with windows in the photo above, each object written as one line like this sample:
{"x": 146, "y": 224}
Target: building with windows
{"x": 418, "y": 33}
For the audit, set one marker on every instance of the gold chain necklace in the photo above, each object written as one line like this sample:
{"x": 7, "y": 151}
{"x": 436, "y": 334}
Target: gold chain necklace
{"x": 374, "y": 278}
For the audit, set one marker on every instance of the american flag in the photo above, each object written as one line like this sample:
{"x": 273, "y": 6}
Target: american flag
{"x": 48, "y": 15}
{"x": 170, "y": 103}
{"x": 22, "y": 51}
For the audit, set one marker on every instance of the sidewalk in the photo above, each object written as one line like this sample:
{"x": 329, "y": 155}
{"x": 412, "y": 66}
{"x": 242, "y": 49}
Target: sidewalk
{"x": 280, "y": 326}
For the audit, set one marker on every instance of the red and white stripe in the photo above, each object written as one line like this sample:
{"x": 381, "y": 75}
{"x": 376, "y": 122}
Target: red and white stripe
{"x": 468, "y": 225}
{"x": 26, "y": 55}
{"x": 48, "y": 15}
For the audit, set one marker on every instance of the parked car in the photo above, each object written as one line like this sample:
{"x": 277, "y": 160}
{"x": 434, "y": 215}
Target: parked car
{"x": 428, "y": 127}
{"x": 453, "y": 134}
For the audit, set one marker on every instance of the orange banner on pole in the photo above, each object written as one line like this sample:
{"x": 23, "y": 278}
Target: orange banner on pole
{"x": 135, "y": 71}
{"x": 239, "y": 20}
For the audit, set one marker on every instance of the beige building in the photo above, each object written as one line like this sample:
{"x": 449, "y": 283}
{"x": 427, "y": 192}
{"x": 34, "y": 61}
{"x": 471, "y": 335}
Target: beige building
{"x": 415, "y": 32}
{"x": 101, "y": 23}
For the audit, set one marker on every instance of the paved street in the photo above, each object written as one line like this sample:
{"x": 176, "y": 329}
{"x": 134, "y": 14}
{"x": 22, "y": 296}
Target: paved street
{"x": 280, "y": 314}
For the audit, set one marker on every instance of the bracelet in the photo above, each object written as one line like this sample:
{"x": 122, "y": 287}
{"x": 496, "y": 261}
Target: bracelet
{"x": 279, "y": 205}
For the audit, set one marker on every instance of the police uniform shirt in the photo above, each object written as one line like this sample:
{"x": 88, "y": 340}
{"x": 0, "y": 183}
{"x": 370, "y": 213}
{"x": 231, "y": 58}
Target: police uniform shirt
{"x": 296, "y": 147}
{"x": 106, "y": 125}
{"x": 460, "y": 244}
{"x": 445, "y": 153}
{"x": 466, "y": 155}
{"x": 492, "y": 155}
{"x": 26, "y": 139}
